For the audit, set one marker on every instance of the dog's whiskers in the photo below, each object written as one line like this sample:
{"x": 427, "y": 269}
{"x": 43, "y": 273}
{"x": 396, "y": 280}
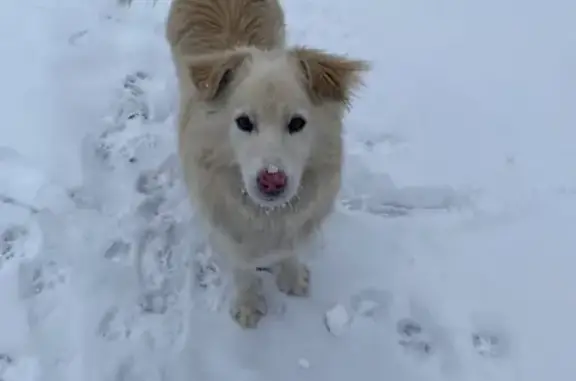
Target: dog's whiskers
{"x": 291, "y": 204}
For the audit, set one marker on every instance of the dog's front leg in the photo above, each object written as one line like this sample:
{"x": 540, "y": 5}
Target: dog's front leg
{"x": 293, "y": 277}
{"x": 249, "y": 305}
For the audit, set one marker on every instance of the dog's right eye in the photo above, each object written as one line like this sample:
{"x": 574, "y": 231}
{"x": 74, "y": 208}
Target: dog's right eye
{"x": 244, "y": 123}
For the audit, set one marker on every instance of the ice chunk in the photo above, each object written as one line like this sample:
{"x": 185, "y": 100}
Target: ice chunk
{"x": 337, "y": 320}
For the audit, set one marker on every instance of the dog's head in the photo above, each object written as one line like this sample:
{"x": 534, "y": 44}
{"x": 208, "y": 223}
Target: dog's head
{"x": 278, "y": 108}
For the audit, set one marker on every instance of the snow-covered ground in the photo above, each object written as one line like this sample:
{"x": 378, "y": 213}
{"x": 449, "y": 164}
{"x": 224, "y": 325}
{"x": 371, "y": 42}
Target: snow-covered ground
{"x": 452, "y": 254}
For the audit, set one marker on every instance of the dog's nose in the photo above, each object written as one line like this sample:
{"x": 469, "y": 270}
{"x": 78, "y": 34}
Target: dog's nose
{"x": 272, "y": 182}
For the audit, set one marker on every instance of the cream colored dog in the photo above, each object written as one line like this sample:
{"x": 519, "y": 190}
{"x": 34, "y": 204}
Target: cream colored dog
{"x": 259, "y": 137}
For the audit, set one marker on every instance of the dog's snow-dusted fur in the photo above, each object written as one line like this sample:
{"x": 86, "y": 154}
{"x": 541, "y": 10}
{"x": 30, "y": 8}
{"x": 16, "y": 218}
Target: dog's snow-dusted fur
{"x": 231, "y": 60}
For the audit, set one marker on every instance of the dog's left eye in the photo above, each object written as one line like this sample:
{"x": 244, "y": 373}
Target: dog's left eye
{"x": 296, "y": 124}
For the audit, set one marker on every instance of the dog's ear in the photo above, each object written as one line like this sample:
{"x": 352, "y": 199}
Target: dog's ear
{"x": 329, "y": 77}
{"x": 212, "y": 74}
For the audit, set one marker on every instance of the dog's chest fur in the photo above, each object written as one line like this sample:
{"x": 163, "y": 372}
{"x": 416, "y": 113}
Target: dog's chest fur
{"x": 257, "y": 231}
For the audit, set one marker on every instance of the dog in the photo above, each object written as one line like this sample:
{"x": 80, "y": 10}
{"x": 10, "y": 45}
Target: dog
{"x": 259, "y": 138}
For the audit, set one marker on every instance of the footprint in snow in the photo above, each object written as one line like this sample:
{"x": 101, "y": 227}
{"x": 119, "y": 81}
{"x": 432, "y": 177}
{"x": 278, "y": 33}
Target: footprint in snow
{"x": 364, "y": 204}
{"x": 389, "y": 139}
{"x": 161, "y": 271}
{"x": 158, "y": 180}
{"x": 118, "y": 251}
{"x": 122, "y": 149}
{"x": 133, "y": 104}
{"x": 83, "y": 198}
{"x": 113, "y": 325}
{"x": 36, "y": 278}
{"x": 6, "y": 361}
{"x": 371, "y": 302}
{"x": 150, "y": 207}
{"x": 413, "y": 337}
{"x": 117, "y": 144}
{"x": 206, "y": 272}
{"x": 143, "y": 98}
{"x": 149, "y": 182}
{"x": 11, "y": 242}
{"x": 156, "y": 301}
{"x": 490, "y": 344}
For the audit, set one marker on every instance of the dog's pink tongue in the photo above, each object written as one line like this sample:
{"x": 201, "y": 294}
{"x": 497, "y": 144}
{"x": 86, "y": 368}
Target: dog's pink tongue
{"x": 274, "y": 178}
{"x": 272, "y": 181}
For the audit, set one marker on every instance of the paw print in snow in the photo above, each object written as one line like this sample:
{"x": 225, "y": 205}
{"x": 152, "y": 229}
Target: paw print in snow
{"x": 131, "y": 82}
{"x": 103, "y": 153}
{"x": 11, "y": 241}
{"x": 125, "y": 371}
{"x": 150, "y": 207}
{"x": 149, "y": 182}
{"x": 367, "y": 204}
{"x": 6, "y": 361}
{"x": 160, "y": 270}
{"x": 137, "y": 147}
{"x": 132, "y": 103}
{"x": 38, "y": 278}
{"x": 123, "y": 147}
{"x": 389, "y": 140}
{"x": 112, "y": 326}
{"x": 206, "y": 271}
{"x": 353, "y": 203}
{"x": 413, "y": 337}
{"x": 160, "y": 179}
{"x": 156, "y": 252}
{"x": 489, "y": 344}
{"x": 372, "y": 303}
{"x": 118, "y": 251}
{"x": 83, "y": 199}
{"x": 156, "y": 301}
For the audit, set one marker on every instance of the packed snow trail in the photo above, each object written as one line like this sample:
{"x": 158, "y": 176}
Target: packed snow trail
{"x": 450, "y": 255}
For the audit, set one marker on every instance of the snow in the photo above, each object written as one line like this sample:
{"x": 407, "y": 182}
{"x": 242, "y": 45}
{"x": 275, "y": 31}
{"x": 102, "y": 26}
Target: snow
{"x": 337, "y": 320}
{"x": 304, "y": 363}
{"x": 451, "y": 252}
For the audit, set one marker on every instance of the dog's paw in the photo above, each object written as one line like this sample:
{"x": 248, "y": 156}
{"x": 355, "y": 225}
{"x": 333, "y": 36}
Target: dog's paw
{"x": 248, "y": 310}
{"x": 293, "y": 278}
